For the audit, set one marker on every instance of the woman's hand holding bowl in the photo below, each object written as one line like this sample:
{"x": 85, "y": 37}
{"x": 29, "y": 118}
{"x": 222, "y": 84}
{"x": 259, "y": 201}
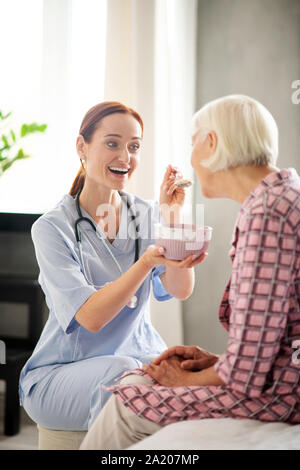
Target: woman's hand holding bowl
{"x": 154, "y": 256}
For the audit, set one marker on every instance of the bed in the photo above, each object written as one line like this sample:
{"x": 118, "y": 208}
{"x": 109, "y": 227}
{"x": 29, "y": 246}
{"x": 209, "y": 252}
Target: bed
{"x": 224, "y": 433}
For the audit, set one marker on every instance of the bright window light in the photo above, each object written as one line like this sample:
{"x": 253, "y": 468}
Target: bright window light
{"x": 174, "y": 89}
{"x": 53, "y": 69}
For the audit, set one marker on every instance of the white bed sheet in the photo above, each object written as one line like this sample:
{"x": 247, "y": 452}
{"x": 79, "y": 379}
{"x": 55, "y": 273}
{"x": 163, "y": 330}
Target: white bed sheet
{"x": 227, "y": 433}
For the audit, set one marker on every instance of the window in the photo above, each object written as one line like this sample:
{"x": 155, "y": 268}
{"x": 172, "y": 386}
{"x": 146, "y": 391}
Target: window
{"x": 175, "y": 60}
{"x": 53, "y": 69}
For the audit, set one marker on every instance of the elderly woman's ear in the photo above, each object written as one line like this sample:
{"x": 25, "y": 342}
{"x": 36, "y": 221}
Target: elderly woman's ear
{"x": 212, "y": 141}
{"x": 205, "y": 145}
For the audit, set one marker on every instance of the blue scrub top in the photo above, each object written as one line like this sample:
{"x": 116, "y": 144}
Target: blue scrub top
{"x": 61, "y": 277}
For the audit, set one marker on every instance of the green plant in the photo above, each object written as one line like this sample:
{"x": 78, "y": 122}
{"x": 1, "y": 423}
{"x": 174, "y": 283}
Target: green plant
{"x": 9, "y": 141}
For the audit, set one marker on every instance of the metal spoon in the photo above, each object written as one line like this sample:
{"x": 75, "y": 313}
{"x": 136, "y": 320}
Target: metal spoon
{"x": 181, "y": 183}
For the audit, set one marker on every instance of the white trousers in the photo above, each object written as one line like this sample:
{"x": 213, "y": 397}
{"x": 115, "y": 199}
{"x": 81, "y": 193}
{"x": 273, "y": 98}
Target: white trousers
{"x": 117, "y": 427}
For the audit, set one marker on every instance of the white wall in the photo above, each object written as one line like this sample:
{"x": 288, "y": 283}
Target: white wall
{"x": 250, "y": 47}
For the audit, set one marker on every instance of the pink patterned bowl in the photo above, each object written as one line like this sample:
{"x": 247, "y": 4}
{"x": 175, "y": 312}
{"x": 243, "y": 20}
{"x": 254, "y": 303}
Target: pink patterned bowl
{"x": 182, "y": 240}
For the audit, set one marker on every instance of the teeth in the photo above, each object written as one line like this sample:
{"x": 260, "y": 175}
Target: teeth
{"x": 124, "y": 170}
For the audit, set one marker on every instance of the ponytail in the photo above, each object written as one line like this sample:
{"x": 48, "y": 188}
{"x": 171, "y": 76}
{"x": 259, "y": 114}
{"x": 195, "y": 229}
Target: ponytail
{"x": 78, "y": 182}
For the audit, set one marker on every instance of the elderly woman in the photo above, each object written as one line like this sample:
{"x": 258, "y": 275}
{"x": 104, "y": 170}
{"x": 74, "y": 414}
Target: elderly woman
{"x": 235, "y": 151}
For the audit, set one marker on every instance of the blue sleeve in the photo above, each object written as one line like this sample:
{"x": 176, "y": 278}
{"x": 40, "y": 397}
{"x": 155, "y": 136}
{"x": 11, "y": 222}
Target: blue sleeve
{"x": 61, "y": 278}
{"x": 159, "y": 291}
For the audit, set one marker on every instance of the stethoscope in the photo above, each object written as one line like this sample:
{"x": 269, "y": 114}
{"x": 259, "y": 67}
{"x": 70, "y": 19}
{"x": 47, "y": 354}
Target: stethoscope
{"x": 134, "y": 301}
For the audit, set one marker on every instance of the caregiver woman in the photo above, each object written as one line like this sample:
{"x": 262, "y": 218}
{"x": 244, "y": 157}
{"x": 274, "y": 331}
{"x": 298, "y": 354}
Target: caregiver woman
{"x": 94, "y": 332}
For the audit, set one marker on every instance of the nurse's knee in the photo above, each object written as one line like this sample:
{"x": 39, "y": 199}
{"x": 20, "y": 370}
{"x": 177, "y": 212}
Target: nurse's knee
{"x": 136, "y": 379}
{"x": 128, "y": 363}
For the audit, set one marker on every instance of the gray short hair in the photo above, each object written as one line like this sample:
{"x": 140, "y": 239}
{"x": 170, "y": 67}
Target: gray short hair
{"x": 247, "y": 132}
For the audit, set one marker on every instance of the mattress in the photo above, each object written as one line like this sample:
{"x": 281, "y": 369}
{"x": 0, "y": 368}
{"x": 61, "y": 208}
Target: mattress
{"x": 224, "y": 433}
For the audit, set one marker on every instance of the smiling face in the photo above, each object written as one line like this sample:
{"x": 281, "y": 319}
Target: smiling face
{"x": 112, "y": 155}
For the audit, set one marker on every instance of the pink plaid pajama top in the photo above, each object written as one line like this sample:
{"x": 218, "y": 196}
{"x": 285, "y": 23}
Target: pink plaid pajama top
{"x": 260, "y": 310}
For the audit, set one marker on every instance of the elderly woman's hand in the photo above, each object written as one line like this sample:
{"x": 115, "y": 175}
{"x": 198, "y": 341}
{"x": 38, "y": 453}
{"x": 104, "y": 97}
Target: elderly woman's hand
{"x": 169, "y": 373}
{"x": 191, "y": 357}
{"x": 171, "y": 196}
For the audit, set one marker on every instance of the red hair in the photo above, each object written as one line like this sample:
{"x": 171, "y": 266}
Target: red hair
{"x": 88, "y": 126}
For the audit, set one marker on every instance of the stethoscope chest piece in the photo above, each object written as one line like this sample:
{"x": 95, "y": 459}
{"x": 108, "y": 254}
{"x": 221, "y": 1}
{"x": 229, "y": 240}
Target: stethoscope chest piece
{"x": 133, "y": 302}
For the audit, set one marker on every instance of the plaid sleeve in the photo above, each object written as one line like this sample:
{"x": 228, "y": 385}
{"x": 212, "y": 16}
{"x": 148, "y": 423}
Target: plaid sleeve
{"x": 261, "y": 274}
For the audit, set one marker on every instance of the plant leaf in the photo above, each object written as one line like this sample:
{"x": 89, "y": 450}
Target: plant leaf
{"x": 13, "y": 136}
{"x": 5, "y": 161}
{"x": 7, "y": 165}
{"x": 5, "y": 141}
{"x": 23, "y": 130}
{"x": 31, "y": 128}
{"x": 4, "y": 148}
{"x": 4, "y": 117}
{"x": 21, "y": 155}
{"x": 42, "y": 127}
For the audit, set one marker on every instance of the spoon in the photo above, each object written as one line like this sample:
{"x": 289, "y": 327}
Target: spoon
{"x": 182, "y": 183}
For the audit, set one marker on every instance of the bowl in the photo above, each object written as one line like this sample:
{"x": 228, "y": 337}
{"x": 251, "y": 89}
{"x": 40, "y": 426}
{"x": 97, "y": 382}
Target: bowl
{"x": 182, "y": 240}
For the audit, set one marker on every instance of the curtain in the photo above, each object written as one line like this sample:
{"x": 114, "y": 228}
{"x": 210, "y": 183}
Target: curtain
{"x": 150, "y": 66}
